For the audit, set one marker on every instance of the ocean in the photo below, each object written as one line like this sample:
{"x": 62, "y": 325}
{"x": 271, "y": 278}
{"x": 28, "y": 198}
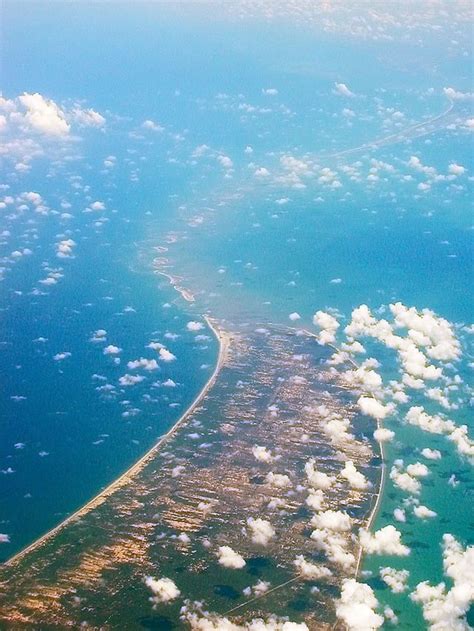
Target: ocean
{"x": 221, "y": 163}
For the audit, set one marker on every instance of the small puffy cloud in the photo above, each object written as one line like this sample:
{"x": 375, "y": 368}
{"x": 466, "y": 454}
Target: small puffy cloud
{"x": 97, "y": 206}
{"x": 262, "y": 530}
{"x": 395, "y": 579}
{"x": 456, "y": 169}
{"x": 318, "y": 479}
{"x": 385, "y": 541}
{"x": 310, "y": 571}
{"x": 356, "y": 607}
{"x": 229, "y": 558}
{"x": 328, "y": 325}
{"x": 431, "y": 454}
{"x": 279, "y": 480}
{"x": 447, "y": 609}
{"x": 64, "y": 249}
{"x": 456, "y": 95}
{"x": 262, "y": 454}
{"x": 294, "y": 316}
{"x": 194, "y": 326}
{"x": 382, "y": 435}
{"x": 354, "y": 477}
{"x": 43, "y": 115}
{"x": 225, "y": 161}
{"x": 145, "y": 364}
{"x": 372, "y": 407}
{"x": 130, "y": 380}
{"x": 422, "y": 512}
{"x": 342, "y": 90}
{"x": 315, "y": 499}
{"x": 164, "y": 589}
{"x": 112, "y": 350}
{"x": 270, "y": 91}
{"x": 338, "y": 521}
{"x": 4, "y": 538}
{"x": 88, "y": 117}
{"x": 59, "y": 357}
{"x": 152, "y": 126}
{"x": 166, "y": 355}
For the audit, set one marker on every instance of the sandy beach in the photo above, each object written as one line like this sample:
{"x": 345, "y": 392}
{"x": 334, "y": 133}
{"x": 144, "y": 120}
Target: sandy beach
{"x": 224, "y": 339}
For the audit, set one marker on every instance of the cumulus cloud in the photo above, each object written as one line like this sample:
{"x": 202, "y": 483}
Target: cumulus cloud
{"x": 383, "y": 434}
{"x": 164, "y": 590}
{"x": 356, "y": 607}
{"x": 422, "y": 512}
{"x": 387, "y": 540}
{"x": 280, "y": 480}
{"x": 144, "y": 363}
{"x": 262, "y": 454}
{"x": 261, "y": 529}
{"x": 310, "y": 571}
{"x": 395, "y": 579}
{"x": 354, "y": 477}
{"x": 43, "y": 115}
{"x": 230, "y": 559}
{"x": 166, "y": 355}
{"x": 338, "y": 521}
{"x": 112, "y": 350}
{"x": 194, "y": 326}
{"x": 318, "y": 479}
{"x": 372, "y": 407}
{"x": 328, "y": 325}
{"x": 342, "y": 90}
{"x": 446, "y": 609}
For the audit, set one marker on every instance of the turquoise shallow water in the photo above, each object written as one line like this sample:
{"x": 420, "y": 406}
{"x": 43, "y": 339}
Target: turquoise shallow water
{"x": 251, "y": 248}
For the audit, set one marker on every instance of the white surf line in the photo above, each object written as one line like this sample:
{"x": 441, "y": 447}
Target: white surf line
{"x": 223, "y": 340}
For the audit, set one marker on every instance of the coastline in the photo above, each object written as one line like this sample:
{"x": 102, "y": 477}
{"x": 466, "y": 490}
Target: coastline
{"x": 223, "y": 339}
{"x": 375, "y": 509}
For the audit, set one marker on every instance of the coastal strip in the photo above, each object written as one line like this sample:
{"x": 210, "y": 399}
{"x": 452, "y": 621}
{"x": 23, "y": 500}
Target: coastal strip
{"x": 383, "y": 476}
{"x": 224, "y": 339}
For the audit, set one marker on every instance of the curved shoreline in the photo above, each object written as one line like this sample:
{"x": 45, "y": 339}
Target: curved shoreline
{"x": 223, "y": 340}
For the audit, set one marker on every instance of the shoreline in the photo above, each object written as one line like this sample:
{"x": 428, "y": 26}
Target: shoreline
{"x": 223, "y": 339}
{"x": 375, "y": 509}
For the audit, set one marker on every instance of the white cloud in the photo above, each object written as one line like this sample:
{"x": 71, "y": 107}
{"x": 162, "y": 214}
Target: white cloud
{"x": 395, "y": 579}
{"x": 342, "y": 89}
{"x": 372, "y": 407}
{"x": 354, "y": 477}
{"x": 262, "y": 530}
{"x": 262, "y": 454}
{"x": 431, "y": 454}
{"x": 43, "y": 115}
{"x": 88, "y": 117}
{"x": 446, "y": 609}
{"x": 130, "y": 380}
{"x": 356, "y": 607}
{"x": 278, "y": 479}
{"x": 194, "y": 326}
{"x": 328, "y": 325}
{"x": 166, "y": 355}
{"x": 338, "y": 521}
{"x": 164, "y": 589}
{"x": 310, "y": 571}
{"x": 383, "y": 434}
{"x": 422, "y": 512}
{"x": 318, "y": 479}
{"x": 146, "y": 364}
{"x": 112, "y": 350}
{"x": 230, "y": 559}
{"x": 385, "y": 541}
